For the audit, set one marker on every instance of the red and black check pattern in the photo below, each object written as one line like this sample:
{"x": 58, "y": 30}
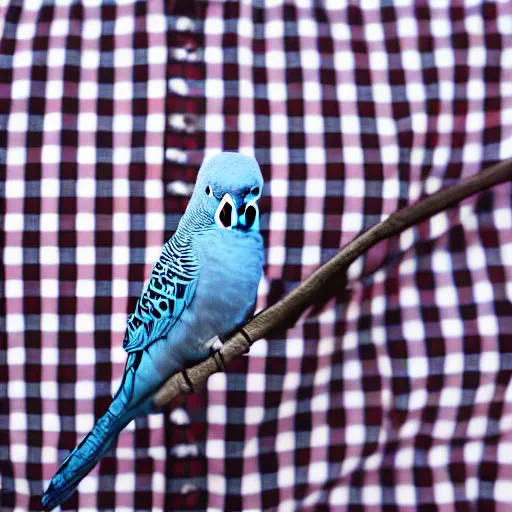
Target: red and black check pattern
{"x": 396, "y": 396}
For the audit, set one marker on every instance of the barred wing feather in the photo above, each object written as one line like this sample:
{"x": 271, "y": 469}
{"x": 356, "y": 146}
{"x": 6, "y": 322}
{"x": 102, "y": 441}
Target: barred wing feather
{"x": 159, "y": 307}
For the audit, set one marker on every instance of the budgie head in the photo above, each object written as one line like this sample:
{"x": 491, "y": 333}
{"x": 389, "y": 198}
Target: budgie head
{"x": 227, "y": 189}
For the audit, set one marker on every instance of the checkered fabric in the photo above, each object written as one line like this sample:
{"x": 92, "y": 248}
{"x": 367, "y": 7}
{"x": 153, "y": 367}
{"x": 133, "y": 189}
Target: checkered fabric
{"x": 84, "y": 94}
{"x": 397, "y": 396}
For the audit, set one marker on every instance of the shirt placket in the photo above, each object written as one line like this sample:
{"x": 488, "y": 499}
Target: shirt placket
{"x": 185, "y": 427}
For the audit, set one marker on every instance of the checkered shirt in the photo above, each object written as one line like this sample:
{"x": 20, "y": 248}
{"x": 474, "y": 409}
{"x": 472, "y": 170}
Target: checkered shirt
{"x": 395, "y": 397}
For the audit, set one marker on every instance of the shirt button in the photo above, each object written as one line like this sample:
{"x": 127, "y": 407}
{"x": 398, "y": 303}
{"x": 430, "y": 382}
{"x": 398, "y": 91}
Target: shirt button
{"x": 179, "y": 188}
{"x": 180, "y": 451}
{"x": 178, "y": 86}
{"x": 189, "y": 53}
{"x": 183, "y": 122}
{"x": 185, "y": 24}
{"x": 179, "y": 416}
{"x": 188, "y": 488}
{"x": 175, "y": 155}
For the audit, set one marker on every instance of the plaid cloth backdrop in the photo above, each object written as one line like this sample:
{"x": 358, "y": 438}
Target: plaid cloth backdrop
{"x": 396, "y": 398}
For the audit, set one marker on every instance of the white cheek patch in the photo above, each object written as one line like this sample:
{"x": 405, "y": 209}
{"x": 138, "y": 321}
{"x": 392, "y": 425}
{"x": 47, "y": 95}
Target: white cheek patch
{"x": 226, "y": 216}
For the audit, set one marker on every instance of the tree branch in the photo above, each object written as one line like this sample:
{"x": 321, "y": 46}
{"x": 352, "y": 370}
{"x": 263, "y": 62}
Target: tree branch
{"x": 285, "y": 312}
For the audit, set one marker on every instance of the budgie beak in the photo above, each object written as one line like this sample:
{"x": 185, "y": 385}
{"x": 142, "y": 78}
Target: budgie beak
{"x": 237, "y": 213}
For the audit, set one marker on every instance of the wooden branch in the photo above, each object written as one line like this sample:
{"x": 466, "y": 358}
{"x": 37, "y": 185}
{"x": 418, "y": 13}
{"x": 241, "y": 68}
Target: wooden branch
{"x": 285, "y": 312}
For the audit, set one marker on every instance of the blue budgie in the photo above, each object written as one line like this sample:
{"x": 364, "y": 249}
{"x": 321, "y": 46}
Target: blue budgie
{"x": 204, "y": 285}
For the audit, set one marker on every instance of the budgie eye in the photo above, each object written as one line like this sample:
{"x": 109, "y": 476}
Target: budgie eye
{"x": 208, "y": 190}
{"x": 255, "y": 191}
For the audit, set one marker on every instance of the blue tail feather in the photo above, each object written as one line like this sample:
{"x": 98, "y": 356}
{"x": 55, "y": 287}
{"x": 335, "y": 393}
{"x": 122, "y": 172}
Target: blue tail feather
{"x": 131, "y": 400}
{"x": 83, "y": 458}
